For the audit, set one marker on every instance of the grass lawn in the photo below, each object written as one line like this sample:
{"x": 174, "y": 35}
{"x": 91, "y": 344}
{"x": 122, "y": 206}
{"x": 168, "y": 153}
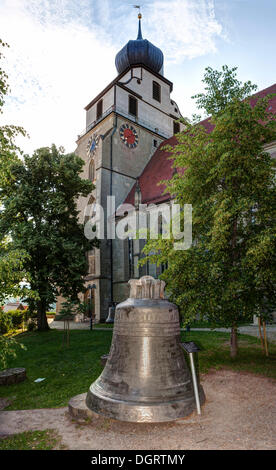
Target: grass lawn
{"x": 70, "y": 371}
{"x": 206, "y": 324}
{"x": 195, "y": 324}
{"x": 103, "y": 325}
{"x": 31, "y": 440}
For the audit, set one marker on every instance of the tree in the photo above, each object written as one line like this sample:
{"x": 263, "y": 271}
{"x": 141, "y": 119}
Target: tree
{"x": 229, "y": 272}
{"x": 12, "y": 272}
{"x": 67, "y": 314}
{"x": 13, "y": 276}
{"x": 9, "y": 150}
{"x": 221, "y": 88}
{"x": 40, "y": 215}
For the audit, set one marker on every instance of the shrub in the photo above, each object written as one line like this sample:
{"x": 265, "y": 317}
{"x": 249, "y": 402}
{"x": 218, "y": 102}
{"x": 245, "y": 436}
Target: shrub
{"x": 17, "y": 317}
{"x": 51, "y": 314}
{"x": 29, "y": 315}
{"x": 14, "y": 319}
{"x": 32, "y": 325}
{"x": 5, "y": 322}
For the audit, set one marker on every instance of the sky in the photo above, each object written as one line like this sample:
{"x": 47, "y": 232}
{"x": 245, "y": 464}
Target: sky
{"x": 62, "y": 54}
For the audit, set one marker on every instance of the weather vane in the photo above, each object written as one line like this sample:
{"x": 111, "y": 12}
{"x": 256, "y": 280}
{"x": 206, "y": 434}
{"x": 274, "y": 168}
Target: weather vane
{"x": 139, "y": 8}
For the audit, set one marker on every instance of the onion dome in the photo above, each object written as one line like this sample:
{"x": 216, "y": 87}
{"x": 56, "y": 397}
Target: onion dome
{"x": 139, "y": 51}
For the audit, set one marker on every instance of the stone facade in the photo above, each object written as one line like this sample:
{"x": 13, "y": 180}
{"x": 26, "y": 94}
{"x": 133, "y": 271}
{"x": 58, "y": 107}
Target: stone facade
{"x": 115, "y": 166}
{"x": 137, "y": 101}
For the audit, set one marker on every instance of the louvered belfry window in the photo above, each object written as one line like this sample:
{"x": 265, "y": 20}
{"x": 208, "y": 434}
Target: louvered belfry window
{"x": 176, "y": 127}
{"x": 132, "y": 105}
{"x": 99, "y": 109}
{"x": 156, "y": 91}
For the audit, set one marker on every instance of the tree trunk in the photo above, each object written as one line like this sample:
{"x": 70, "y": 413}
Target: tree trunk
{"x": 42, "y": 322}
{"x": 234, "y": 342}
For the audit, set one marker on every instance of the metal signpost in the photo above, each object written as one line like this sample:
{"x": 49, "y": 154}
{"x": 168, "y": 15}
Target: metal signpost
{"x": 190, "y": 347}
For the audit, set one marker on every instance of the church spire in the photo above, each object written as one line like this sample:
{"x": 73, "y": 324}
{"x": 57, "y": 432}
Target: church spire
{"x": 139, "y": 27}
{"x": 139, "y": 51}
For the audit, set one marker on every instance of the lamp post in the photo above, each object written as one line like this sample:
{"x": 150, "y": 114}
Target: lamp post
{"x": 90, "y": 287}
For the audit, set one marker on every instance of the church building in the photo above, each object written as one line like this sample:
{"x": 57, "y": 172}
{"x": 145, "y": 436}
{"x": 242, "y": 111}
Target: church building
{"x": 128, "y": 126}
{"x": 125, "y": 125}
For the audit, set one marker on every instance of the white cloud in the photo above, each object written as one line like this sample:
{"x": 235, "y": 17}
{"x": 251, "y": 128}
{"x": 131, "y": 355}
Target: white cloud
{"x": 62, "y": 54}
{"x": 56, "y": 65}
{"x": 184, "y": 28}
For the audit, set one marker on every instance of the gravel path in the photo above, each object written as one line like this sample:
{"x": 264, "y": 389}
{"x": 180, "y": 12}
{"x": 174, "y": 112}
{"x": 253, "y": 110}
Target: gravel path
{"x": 239, "y": 413}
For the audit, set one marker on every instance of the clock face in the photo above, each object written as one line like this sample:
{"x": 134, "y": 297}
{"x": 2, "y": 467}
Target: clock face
{"x": 129, "y": 135}
{"x": 92, "y": 145}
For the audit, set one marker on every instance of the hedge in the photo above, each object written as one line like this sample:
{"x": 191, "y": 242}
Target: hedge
{"x": 14, "y": 319}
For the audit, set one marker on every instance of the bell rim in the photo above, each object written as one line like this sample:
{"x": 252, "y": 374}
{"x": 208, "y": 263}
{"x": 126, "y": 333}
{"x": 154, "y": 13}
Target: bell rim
{"x": 151, "y": 413}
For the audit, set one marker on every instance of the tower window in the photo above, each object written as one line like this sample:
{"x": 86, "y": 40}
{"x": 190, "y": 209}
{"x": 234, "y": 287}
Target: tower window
{"x": 156, "y": 91}
{"x": 155, "y": 143}
{"x": 99, "y": 109}
{"x": 132, "y": 105}
{"x": 130, "y": 257}
{"x": 89, "y": 210}
{"x": 92, "y": 170}
{"x": 137, "y": 197}
{"x": 176, "y": 127}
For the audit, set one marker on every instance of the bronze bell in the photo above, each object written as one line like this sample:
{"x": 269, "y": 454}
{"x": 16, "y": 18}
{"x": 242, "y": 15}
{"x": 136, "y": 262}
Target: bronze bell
{"x": 146, "y": 378}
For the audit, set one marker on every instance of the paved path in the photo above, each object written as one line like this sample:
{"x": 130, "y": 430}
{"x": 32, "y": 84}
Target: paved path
{"x": 59, "y": 325}
{"x": 254, "y": 331}
{"x": 238, "y": 414}
{"x": 251, "y": 330}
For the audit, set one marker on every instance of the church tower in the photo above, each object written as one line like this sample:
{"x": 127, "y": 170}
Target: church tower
{"x": 125, "y": 124}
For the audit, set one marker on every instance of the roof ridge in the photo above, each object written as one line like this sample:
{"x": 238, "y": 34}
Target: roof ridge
{"x": 159, "y": 166}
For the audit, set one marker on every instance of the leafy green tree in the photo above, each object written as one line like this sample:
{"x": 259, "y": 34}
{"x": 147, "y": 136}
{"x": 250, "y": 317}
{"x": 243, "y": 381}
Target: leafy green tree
{"x": 13, "y": 276}
{"x": 229, "y": 272}
{"x": 40, "y": 215}
{"x": 68, "y": 310}
{"x": 222, "y": 87}
{"x": 8, "y": 149}
{"x": 8, "y": 348}
{"x": 11, "y": 261}
{"x": 12, "y": 271}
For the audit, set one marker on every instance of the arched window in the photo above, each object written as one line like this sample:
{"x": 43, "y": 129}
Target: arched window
{"x": 86, "y": 300}
{"x": 89, "y": 210}
{"x": 91, "y": 170}
{"x": 99, "y": 109}
{"x": 137, "y": 195}
{"x": 91, "y": 262}
{"x": 160, "y": 224}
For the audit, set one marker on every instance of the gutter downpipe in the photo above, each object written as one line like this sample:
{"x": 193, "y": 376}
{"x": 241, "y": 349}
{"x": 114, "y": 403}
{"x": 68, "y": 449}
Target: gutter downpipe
{"x": 110, "y": 192}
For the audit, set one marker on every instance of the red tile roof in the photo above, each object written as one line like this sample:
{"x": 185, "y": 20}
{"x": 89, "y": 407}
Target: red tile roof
{"x": 268, "y": 91}
{"x": 160, "y": 166}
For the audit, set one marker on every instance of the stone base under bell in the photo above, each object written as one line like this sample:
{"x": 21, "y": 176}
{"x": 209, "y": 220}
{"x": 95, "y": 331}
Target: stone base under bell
{"x": 79, "y": 410}
{"x": 140, "y": 412}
